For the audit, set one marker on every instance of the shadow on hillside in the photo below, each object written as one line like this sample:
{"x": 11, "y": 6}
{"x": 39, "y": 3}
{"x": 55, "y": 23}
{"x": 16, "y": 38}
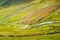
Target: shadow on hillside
{"x": 6, "y": 3}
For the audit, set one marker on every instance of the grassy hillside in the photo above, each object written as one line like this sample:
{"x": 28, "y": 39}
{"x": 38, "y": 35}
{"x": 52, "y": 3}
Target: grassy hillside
{"x": 30, "y": 19}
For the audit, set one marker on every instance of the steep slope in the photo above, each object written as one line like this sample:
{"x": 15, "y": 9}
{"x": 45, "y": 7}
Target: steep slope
{"x": 30, "y": 17}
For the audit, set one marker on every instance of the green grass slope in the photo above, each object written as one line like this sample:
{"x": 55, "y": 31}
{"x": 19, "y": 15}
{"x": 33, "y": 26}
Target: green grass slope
{"x": 13, "y": 12}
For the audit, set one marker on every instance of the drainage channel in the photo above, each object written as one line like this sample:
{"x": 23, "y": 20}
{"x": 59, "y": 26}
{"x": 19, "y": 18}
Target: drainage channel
{"x": 29, "y": 35}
